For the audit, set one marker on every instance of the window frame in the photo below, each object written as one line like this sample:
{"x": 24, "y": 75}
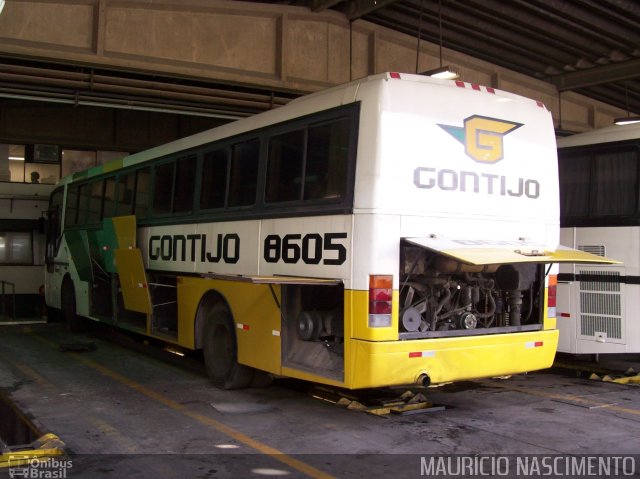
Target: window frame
{"x": 29, "y": 233}
{"x": 307, "y": 207}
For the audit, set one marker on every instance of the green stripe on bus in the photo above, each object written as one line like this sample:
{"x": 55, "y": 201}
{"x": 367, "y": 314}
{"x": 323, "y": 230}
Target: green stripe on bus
{"x": 80, "y": 174}
{"x": 113, "y": 165}
{"x": 79, "y": 249}
{"x": 96, "y": 170}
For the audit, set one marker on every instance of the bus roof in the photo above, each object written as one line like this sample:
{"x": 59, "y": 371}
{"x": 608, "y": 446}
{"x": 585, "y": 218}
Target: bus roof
{"x": 322, "y": 100}
{"x": 602, "y": 135}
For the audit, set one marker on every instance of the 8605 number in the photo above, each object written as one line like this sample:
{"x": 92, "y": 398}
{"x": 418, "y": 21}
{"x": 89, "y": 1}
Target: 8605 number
{"x": 312, "y": 248}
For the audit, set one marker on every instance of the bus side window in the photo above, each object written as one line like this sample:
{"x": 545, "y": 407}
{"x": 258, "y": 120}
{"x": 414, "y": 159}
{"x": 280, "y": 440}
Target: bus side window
{"x": 163, "y": 188}
{"x": 598, "y": 184}
{"x": 574, "y": 173}
{"x": 213, "y": 188}
{"x": 108, "y": 205}
{"x": 95, "y": 202}
{"x": 285, "y": 167}
{"x": 327, "y": 159}
{"x": 244, "y": 173}
{"x": 124, "y": 195}
{"x": 184, "y": 184}
{"x": 143, "y": 183}
{"x": 615, "y": 179}
{"x": 84, "y": 194}
{"x": 71, "y": 213}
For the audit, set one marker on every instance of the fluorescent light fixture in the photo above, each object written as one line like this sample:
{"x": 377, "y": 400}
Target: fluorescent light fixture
{"x": 627, "y": 120}
{"x": 17, "y": 158}
{"x": 1, "y": 5}
{"x": 444, "y": 73}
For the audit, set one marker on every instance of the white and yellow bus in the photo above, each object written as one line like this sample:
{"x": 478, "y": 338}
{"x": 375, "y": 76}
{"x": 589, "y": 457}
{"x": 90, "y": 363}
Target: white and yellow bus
{"x": 600, "y": 213}
{"x": 390, "y": 231}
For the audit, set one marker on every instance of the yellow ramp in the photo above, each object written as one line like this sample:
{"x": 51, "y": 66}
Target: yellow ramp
{"x": 125, "y": 230}
{"x": 133, "y": 280}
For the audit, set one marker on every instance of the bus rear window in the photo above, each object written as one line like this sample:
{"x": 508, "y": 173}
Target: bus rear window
{"x": 309, "y": 164}
{"x": 285, "y": 166}
{"x": 327, "y": 158}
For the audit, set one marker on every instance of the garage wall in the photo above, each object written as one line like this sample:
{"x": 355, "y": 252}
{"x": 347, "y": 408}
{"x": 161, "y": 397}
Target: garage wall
{"x": 25, "y": 122}
{"x": 254, "y": 44}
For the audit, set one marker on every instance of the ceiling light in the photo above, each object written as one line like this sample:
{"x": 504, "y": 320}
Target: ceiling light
{"x": 627, "y": 120}
{"x": 444, "y": 73}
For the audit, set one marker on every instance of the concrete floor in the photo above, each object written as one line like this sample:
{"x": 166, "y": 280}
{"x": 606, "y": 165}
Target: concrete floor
{"x": 122, "y": 413}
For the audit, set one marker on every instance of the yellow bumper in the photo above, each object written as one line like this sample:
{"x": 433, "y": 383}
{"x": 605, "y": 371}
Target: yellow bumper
{"x": 376, "y": 364}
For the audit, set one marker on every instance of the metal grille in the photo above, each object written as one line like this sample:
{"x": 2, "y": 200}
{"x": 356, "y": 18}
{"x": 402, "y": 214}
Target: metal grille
{"x": 600, "y": 304}
{"x": 610, "y": 281}
{"x": 593, "y": 249}
{"x": 590, "y": 325}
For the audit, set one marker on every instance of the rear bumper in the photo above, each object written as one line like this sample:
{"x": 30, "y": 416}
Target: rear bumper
{"x": 376, "y": 364}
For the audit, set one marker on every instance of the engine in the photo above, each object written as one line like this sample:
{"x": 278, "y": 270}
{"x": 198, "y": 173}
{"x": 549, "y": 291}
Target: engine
{"x": 439, "y": 294}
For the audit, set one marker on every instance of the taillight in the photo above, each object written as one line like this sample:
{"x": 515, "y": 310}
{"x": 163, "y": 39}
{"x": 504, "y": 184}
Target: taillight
{"x": 552, "y": 288}
{"x": 380, "y": 294}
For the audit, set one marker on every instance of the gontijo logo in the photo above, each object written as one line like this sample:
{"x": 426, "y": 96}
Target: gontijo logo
{"x": 482, "y": 137}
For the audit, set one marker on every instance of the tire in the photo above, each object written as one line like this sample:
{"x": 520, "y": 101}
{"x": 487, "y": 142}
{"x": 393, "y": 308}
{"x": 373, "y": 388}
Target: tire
{"x": 74, "y": 322}
{"x": 221, "y": 352}
{"x": 261, "y": 379}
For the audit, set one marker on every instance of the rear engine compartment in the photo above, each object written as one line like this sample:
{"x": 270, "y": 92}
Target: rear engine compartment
{"x": 441, "y": 296}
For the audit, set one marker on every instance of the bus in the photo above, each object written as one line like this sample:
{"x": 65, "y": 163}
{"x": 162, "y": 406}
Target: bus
{"x": 394, "y": 230}
{"x": 599, "y": 213}
{"x": 22, "y": 244}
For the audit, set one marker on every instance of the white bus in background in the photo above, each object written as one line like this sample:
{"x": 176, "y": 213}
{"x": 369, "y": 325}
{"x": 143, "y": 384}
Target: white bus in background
{"x": 598, "y": 306}
{"x": 22, "y": 248}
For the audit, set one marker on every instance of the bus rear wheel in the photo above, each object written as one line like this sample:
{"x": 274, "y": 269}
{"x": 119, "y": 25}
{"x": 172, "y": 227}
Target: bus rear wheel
{"x": 221, "y": 352}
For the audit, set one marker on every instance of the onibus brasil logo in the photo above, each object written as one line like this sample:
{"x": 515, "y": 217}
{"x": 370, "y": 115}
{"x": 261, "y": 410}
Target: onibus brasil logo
{"x": 482, "y": 137}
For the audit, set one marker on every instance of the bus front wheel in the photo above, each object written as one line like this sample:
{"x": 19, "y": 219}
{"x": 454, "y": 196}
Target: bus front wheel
{"x": 221, "y": 352}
